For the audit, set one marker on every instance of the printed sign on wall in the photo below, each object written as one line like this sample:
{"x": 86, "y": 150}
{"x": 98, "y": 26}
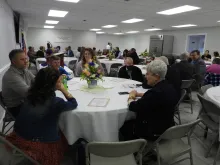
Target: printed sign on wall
{"x": 63, "y": 39}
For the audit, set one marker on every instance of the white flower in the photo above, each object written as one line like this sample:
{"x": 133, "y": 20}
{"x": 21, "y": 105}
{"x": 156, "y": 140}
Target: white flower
{"x": 96, "y": 65}
{"x": 93, "y": 76}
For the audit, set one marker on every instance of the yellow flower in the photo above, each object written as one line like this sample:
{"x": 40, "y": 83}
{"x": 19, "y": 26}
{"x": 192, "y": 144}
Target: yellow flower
{"x": 86, "y": 72}
{"x": 86, "y": 65}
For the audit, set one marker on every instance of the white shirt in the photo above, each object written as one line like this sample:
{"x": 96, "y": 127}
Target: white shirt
{"x": 78, "y": 55}
{"x": 108, "y": 47}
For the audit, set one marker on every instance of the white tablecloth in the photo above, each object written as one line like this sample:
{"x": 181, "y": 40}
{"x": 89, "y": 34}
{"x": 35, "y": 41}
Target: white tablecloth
{"x": 213, "y": 94}
{"x": 97, "y": 123}
{"x": 143, "y": 68}
{"x": 109, "y": 63}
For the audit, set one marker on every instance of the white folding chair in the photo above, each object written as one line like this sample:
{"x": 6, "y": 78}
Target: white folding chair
{"x": 169, "y": 146}
{"x": 13, "y": 155}
{"x": 177, "y": 110}
{"x": 8, "y": 118}
{"x": 187, "y": 85}
{"x": 115, "y": 153}
{"x": 209, "y": 109}
{"x": 205, "y": 88}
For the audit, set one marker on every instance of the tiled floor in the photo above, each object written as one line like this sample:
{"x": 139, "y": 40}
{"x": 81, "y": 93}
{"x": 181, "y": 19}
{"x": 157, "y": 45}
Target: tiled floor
{"x": 198, "y": 150}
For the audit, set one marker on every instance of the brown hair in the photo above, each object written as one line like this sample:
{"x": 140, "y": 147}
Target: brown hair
{"x": 92, "y": 54}
{"x": 54, "y": 58}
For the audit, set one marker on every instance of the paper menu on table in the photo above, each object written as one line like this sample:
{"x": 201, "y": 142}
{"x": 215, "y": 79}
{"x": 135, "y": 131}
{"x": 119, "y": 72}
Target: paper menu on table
{"x": 99, "y": 102}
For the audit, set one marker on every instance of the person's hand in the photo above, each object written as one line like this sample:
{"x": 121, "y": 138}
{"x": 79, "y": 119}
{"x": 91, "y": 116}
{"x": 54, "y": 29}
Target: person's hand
{"x": 133, "y": 94}
{"x": 59, "y": 84}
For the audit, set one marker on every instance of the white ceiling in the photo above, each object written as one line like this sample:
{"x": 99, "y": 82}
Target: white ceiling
{"x": 104, "y": 12}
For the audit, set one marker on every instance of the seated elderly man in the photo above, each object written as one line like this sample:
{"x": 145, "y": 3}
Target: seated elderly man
{"x": 16, "y": 81}
{"x": 155, "y": 108}
{"x": 185, "y": 69}
{"x": 129, "y": 71}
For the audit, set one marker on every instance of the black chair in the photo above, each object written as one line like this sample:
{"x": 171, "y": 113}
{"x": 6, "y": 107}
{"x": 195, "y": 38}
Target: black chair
{"x": 114, "y": 70}
{"x": 105, "y": 69}
{"x": 142, "y": 61}
{"x": 177, "y": 111}
{"x": 187, "y": 85}
{"x": 8, "y": 117}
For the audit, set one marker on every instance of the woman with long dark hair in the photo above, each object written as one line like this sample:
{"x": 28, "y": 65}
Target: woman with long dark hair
{"x": 88, "y": 56}
{"x": 36, "y": 129}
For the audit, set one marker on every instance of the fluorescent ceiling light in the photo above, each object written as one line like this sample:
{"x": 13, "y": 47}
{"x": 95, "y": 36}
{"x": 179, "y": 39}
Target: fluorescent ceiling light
{"x": 182, "y": 26}
{"x": 100, "y": 32}
{"x": 95, "y": 30}
{"x": 177, "y": 10}
{"x": 132, "y": 32}
{"x": 72, "y": 1}
{"x": 118, "y": 33}
{"x": 154, "y": 29}
{"x": 51, "y": 22}
{"x": 218, "y": 21}
{"x": 133, "y": 20}
{"x": 109, "y": 26}
{"x": 57, "y": 13}
{"x": 49, "y": 27}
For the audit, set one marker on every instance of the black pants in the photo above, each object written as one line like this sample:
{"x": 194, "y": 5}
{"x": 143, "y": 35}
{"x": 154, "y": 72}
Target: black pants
{"x": 15, "y": 111}
{"x": 127, "y": 131}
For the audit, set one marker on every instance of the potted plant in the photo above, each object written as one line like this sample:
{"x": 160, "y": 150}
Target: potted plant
{"x": 91, "y": 73}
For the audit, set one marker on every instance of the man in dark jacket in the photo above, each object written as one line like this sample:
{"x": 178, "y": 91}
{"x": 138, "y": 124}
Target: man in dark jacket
{"x": 155, "y": 108}
{"x": 40, "y": 53}
{"x": 172, "y": 76}
{"x": 134, "y": 56}
{"x": 129, "y": 71}
{"x": 185, "y": 68}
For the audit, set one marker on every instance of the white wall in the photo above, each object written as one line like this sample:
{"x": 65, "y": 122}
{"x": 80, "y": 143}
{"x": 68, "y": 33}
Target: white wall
{"x": 37, "y": 37}
{"x": 7, "y": 40}
{"x": 7, "y": 34}
{"x": 103, "y": 39}
{"x": 212, "y": 38}
{"x": 138, "y": 41}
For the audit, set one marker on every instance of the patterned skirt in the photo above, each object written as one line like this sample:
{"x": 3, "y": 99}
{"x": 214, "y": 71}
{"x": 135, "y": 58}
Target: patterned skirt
{"x": 44, "y": 153}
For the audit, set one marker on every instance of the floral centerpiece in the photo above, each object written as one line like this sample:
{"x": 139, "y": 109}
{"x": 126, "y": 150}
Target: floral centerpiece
{"x": 111, "y": 55}
{"x": 91, "y": 73}
{"x": 145, "y": 54}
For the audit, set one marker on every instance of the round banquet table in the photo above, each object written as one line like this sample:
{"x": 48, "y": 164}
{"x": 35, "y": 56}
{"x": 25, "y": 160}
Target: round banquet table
{"x": 97, "y": 123}
{"x": 213, "y": 94}
{"x": 109, "y": 63}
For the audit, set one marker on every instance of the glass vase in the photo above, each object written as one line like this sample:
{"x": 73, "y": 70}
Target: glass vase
{"x": 92, "y": 84}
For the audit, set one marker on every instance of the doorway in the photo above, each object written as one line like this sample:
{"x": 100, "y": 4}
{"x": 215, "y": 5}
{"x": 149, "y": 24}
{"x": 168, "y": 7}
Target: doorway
{"x": 196, "y": 42}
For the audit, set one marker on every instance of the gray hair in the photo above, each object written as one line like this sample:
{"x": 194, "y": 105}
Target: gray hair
{"x": 129, "y": 59}
{"x": 184, "y": 56}
{"x": 157, "y": 67}
{"x": 164, "y": 59}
